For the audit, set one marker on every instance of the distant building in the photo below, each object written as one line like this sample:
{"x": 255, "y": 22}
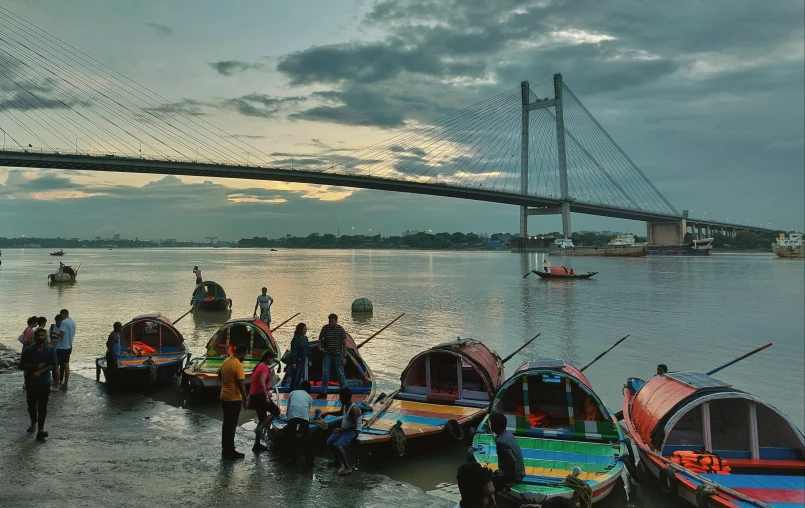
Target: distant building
{"x": 411, "y": 232}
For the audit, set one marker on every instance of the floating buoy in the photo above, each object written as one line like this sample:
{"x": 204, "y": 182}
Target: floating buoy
{"x": 362, "y": 305}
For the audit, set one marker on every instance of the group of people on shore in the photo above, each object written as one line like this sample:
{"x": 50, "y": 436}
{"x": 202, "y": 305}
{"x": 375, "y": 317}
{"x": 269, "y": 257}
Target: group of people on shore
{"x": 45, "y": 362}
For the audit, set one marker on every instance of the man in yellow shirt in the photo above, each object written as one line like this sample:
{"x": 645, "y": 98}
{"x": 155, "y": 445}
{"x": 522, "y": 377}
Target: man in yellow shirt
{"x": 233, "y": 398}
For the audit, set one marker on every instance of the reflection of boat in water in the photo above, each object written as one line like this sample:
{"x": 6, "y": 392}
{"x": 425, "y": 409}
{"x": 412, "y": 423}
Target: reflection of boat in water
{"x": 65, "y": 274}
{"x": 153, "y": 353}
{"x": 201, "y": 374}
{"x": 694, "y": 432}
{"x": 442, "y": 390}
{"x": 791, "y": 247}
{"x": 210, "y": 296}
{"x": 57, "y": 253}
{"x": 559, "y": 423}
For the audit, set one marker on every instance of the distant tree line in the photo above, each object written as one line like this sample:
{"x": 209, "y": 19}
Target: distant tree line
{"x": 745, "y": 240}
{"x": 330, "y": 241}
{"x": 64, "y": 243}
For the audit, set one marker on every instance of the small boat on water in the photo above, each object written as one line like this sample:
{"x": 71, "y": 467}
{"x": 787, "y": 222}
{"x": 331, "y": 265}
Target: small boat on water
{"x": 561, "y": 272}
{"x": 153, "y": 353}
{"x": 791, "y": 247}
{"x": 65, "y": 274}
{"x": 560, "y": 424}
{"x": 359, "y": 378}
{"x": 201, "y": 374}
{"x": 702, "y": 438}
{"x": 57, "y": 253}
{"x": 210, "y": 296}
{"x": 442, "y": 390}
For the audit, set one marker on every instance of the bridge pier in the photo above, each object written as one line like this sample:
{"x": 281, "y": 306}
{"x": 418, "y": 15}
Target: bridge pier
{"x": 666, "y": 233}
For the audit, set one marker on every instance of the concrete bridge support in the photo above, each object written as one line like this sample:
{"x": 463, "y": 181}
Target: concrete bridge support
{"x": 666, "y": 233}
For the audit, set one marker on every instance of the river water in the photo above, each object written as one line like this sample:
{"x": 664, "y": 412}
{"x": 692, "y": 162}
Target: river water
{"x": 689, "y": 313}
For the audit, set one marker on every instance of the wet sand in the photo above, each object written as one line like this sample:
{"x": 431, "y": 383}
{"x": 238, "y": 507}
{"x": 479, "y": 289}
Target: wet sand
{"x": 130, "y": 450}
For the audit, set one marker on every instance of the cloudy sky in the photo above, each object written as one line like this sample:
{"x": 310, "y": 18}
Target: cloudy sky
{"x": 706, "y": 97}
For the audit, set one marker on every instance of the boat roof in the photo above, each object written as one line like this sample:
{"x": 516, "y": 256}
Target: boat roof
{"x": 556, "y": 365}
{"x": 478, "y": 354}
{"x": 253, "y": 321}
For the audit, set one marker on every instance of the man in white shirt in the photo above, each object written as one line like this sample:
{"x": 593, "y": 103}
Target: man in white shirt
{"x": 298, "y": 415}
{"x": 264, "y": 301}
{"x": 64, "y": 347}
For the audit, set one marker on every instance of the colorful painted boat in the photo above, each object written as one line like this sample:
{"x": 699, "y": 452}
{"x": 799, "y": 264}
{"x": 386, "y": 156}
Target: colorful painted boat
{"x": 210, "y": 295}
{"x": 442, "y": 390}
{"x": 563, "y": 273}
{"x": 201, "y": 374}
{"x": 153, "y": 353}
{"x": 359, "y": 378}
{"x": 560, "y": 423}
{"x": 689, "y": 411}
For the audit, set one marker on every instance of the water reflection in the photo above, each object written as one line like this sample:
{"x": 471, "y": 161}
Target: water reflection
{"x": 61, "y": 287}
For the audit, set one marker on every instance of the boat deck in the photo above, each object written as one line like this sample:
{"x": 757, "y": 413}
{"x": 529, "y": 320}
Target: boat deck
{"x": 418, "y": 419}
{"x": 549, "y": 461}
{"x": 135, "y": 362}
{"x": 331, "y": 403}
{"x": 776, "y": 491}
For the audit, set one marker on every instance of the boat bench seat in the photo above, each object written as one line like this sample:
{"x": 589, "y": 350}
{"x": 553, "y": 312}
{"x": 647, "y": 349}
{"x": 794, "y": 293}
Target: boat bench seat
{"x": 583, "y": 430}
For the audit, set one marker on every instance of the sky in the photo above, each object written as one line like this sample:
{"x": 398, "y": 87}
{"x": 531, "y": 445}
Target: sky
{"x": 705, "y": 97}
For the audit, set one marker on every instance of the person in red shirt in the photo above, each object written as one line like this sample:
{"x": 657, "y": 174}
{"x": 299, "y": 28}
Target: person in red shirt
{"x": 260, "y": 398}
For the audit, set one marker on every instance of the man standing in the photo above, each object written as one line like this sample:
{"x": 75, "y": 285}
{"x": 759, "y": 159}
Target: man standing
{"x": 264, "y": 301}
{"x": 233, "y": 398}
{"x": 56, "y": 334}
{"x": 198, "y": 275}
{"x": 64, "y": 348}
{"x": 112, "y": 354}
{"x": 331, "y": 343}
{"x": 37, "y": 361}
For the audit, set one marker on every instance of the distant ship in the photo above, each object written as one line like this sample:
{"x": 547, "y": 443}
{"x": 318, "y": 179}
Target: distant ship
{"x": 790, "y": 247}
{"x": 700, "y": 247}
{"x": 623, "y": 245}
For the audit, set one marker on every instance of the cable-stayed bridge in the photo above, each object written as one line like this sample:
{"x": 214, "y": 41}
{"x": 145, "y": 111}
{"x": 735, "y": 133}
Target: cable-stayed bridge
{"x": 533, "y": 146}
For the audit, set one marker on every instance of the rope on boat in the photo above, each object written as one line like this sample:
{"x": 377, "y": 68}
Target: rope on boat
{"x": 152, "y": 368}
{"x": 703, "y": 494}
{"x": 397, "y": 439}
{"x": 580, "y": 487}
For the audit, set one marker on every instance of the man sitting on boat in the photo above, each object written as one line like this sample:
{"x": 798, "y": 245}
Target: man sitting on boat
{"x": 511, "y": 468}
{"x": 662, "y": 369}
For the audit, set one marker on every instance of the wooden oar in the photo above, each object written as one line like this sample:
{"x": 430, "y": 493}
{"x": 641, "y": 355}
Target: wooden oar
{"x": 382, "y": 408}
{"x": 605, "y": 352}
{"x": 375, "y": 334}
{"x": 761, "y": 348}
{"x": 529, "y": 273}
{"x": 521, "y": 347}
{"x": 186, "y": 313}
{"x": 290, "y": 318}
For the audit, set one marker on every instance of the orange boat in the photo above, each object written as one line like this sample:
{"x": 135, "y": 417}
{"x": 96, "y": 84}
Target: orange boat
{"x": 704, "y": 439}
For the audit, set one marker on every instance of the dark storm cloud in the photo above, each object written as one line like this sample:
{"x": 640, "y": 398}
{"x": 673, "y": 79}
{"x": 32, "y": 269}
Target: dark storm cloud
{"x": 259, "y": 105}
{"x": 184, "y": 106}
{"x": 230, "y": 67}
{"x": 159, "y": 28}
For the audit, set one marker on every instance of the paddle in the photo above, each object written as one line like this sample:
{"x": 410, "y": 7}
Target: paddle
{"x": 290, "y": 318}
{"x": 761, "y": 348}
{"x": 521, "y": 347}
{"x": 375, "y": 334}
{"x": 529, "y": 273}
{"x": 186, "y": 313}
{"x": 605, "y": 352}
{"x": 382, "y": 408}
{"x": 79, "y": 267}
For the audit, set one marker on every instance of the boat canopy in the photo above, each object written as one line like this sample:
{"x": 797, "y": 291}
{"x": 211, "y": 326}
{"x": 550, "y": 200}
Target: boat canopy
{"x": 693, "y": 411}
{"x": 207, "y": 291}
{"x": 149, "y": 334}
{"x": 549, "y": 398}
{"x": 463, "y": 372}
{"x": 252, "y": 332}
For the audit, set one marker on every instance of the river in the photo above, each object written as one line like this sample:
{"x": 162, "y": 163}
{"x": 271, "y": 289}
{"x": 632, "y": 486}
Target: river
{"x": 689, "y": 313}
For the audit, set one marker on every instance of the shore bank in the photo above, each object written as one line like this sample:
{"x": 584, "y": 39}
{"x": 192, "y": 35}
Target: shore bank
{"x": 129, "y": 450}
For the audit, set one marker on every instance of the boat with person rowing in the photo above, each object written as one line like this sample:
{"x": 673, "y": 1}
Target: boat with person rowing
{"x": 201, "y": 374}
{"x": 713, "y": 445}
{"x": 442, "y": 391}
{"x": 560, "y": 424}
{"x": 210, "y": 295}
{"x": 561, "y": 272}
{"x": 153, "y": 353}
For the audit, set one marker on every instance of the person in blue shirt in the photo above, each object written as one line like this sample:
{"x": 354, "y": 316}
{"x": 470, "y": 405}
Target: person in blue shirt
{"x": 300, "y": 356}
{"x": 64, "y": 348}
{"x": 37, "y": 361}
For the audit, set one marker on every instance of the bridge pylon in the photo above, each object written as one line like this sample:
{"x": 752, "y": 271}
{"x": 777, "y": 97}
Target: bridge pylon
{"x": 527, "y": 106}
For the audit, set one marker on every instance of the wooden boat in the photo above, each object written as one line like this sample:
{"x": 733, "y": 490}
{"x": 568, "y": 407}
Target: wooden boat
{"x": 689, "y": 411}
{"x": 153, "y": 353}
{"x": 57, "y": 253}
{"x": 210, "y": 296}
{"x": 442, "y": 390}
{"x": 67, "y": 274}
{"x": 359, "y": 378}
{"x": 201, "y": 374}
{"x": 560, "y": 423}
{"x": 560, "y": 272}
